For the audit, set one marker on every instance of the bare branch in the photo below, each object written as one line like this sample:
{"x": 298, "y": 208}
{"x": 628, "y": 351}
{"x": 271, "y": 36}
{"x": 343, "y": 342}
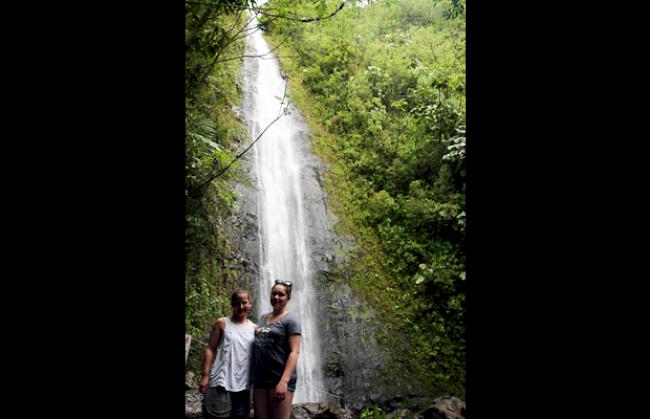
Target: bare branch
{"x": 200, "y": 2}
{"x": 243, "y": 56}
{"x": 230, "y": 41}
{"x": 236, "y": 37}
{"x": 304, "y": 19}
{"x": 212, "y": 36}
{"x": 281, "y": 112}
{"x": 262, "y": 12}
{"x": 255, "y": 56}
{"x": 226, "y": 7}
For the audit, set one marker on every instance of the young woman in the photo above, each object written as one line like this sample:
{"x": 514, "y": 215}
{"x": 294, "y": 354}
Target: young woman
{"x": 277, "y": 344}
{"x": 226, "y": 378}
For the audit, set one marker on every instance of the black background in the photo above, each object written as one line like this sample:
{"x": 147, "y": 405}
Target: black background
{"x": 94, "y": 193}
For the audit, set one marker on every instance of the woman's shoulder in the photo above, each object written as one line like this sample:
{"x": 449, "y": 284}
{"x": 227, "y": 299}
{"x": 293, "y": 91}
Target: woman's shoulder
{"x": 291, "y": 318}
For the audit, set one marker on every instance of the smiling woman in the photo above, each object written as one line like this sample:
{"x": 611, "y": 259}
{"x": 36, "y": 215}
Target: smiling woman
{"x": 277, "y": 344}
{"x": 227, "y": 389}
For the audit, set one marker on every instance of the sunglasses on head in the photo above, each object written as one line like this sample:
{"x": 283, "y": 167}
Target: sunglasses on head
{"x": 285, "y": 283}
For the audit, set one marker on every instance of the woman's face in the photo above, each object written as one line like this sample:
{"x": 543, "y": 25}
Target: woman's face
{"x": 241, "y": 305}
{"x": 279, "y": 297}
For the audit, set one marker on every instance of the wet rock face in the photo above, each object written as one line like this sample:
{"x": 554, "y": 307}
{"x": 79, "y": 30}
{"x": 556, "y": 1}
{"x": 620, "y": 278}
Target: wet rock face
{"x": 351, "y": 355}
{"x": 243, "y": 234}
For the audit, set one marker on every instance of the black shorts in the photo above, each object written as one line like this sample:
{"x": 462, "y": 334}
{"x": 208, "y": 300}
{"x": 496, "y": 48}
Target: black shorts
{"x": 291, "y": 385}
{"x": 220, "y": 403}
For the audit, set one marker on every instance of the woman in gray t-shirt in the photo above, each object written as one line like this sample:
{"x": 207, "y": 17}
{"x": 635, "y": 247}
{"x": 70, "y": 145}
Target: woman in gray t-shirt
{"x": 277, "y": 344}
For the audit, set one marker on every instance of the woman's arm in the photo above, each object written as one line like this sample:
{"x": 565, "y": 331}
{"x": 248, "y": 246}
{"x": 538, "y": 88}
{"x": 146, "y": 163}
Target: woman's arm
{"x": 210, "y": 350}
{"x": 292, "y": 360}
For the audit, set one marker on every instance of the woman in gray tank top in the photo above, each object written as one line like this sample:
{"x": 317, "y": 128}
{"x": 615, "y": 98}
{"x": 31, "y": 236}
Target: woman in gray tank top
{"x": 277, "y": 344}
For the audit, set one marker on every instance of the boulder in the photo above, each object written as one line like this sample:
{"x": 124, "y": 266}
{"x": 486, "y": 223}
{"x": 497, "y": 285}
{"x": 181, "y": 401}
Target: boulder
{"x": 323, "y": 410}
{"x": 193, "y": 400}
{"x": 445, "y": 407}
{"x": 190, "y": 381}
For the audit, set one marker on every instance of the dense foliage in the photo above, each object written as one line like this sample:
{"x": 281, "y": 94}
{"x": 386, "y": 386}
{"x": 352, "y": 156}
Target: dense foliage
{"x": 212, "y": 136}
{"x": 383, "y": 87}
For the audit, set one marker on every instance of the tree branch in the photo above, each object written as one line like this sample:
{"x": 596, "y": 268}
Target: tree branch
{"x": 281, "y": 112}
{"x": 223, "y": 47}
{"x": 258, "y": 11}
{"x": 241, "y": 56}
{"x": 201, "y": 21}
{"x": 304, "y": 19}
{"x": 212, "y": 36}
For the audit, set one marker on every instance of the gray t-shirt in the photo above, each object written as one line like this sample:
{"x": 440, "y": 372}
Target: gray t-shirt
{"x": 272, "y": 348}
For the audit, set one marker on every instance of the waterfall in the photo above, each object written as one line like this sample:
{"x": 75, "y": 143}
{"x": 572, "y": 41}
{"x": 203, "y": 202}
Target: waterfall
{"x": 277, "y": 166}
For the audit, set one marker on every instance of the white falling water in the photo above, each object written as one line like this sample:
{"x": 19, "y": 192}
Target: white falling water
{"x": 284, "y": 250}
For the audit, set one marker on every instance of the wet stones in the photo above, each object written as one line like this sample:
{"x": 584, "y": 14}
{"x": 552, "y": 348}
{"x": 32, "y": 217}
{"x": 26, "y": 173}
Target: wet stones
{"x": 323, "y": 410}
{"x": 445, "y": 407}
{"x": 193, "y": 400}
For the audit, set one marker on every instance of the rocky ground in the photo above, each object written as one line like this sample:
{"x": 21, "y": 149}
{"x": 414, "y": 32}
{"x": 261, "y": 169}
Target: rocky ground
{"x": 444, "y": 407}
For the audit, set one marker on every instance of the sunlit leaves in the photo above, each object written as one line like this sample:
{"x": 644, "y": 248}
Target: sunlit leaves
{"x": 456, "y": 146}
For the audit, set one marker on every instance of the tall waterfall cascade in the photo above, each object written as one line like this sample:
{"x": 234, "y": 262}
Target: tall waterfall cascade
{"x": 277, "y": 167}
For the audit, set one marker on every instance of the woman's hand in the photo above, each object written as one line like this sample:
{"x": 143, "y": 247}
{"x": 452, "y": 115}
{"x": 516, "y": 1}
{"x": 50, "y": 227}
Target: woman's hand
{"x": 203, "y": 384}
{"x": 280, "y": 391}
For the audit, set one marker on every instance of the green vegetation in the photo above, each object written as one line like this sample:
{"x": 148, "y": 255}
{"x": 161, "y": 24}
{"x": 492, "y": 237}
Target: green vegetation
{"x": 212, "y": 138}
{"x": 383, "y": 89}
{"x": 375, "y": 412}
